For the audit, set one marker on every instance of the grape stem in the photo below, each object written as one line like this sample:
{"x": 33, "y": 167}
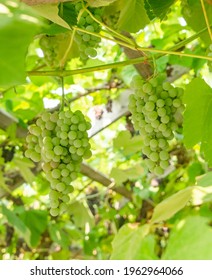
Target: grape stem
{"x": 206, "y": 19}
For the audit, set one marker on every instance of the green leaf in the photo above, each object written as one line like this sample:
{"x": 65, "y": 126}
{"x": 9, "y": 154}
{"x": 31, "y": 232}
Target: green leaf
{"x": 205, "y": 180}
{"x": 17, "y": 223}
{"x": 99, "y": 3}
{"x": 69, "y": 13}
{"x": 133, "y": 243}
{"x": 171, "y": 205}
{"x": 122, "y": 175}
{"x": 190, "y": 239}
{"x": 81, "y": 214}
{"x": 118, "y": 175}
{"x": 36, "y": 221}
{"x": 133, "y": 16}
{"x": 16, "y": 33}
{"x": 59, "y": 236}
{"x": 127, "y": 144}
{"x": 24, "y": 165}
{"x": 157, "y": 8}
{"x": 50, "y": 12}
{"x": 197, "y": 127}
{"x": 192, "y": 12}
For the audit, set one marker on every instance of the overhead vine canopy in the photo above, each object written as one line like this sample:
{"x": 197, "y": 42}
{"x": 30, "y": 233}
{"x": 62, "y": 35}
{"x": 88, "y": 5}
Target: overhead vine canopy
{"x": 105, "y": 129}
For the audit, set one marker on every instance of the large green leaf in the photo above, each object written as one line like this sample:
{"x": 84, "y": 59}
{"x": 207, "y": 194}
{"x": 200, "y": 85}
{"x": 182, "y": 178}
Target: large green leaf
{"x": 157, "y": 8}
{"x": 81, "y": 214}
{"x": 16, "y": 33}
{"x": 36, "y": 221}
{"x": 198, "y": 96}
{"x": 127, "y": 144}
{"x": 133, "y": 16}
{"x": 50, "y": 11}
{"x": 133, "y": 243}
{"x": 192, "y": 12}
{"x": 24, "y": 165}
{"x": 190, "y": 239}
{"x": 17, "y": 223}
{"x": 122, "y": 175}
{"x": 168, "y": 207}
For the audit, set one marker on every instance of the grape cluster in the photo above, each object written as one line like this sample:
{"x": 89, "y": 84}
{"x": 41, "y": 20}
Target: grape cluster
{"x": 154, "y": 107}
{"x": 54, "y": 47}
{"x": 88, "y": 43}
{"x": 60, "y": 141}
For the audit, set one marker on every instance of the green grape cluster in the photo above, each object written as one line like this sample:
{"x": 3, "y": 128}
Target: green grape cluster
{"x": 54, "y": 47}
{"x": 88, "y": 43}
{"x": 210, "y": 54}
{"x": 60, "y": 141}
{"x": 154, "y": 107}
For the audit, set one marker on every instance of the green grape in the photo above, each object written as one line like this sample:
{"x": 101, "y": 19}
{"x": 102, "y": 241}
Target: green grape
{"x": 161, "y": 112}
{"x": 65, "y": 198}
{"x": 154, "y": 156}
{"x": 176, "y": 103}
{"x": 160, "y": 103}
{"x": 65, "y": 172}
{"x": 148, "y": 128}
{"x": 147, "y": 87}
{"x": 60, "y": 187}
{"x": 164, "y": 155}
{"x": 149, "y": 163}
{"x": 58, "y": 150}
{"x": 158, "y": 171}
{"x": 162, "y": 127}
{"x": 162, "y": 143}
{"x": 54, "y": 212}
{"x": 152, "y": 116}
{"x": 164, "y": 164}
{"x": 146, "y": 150}
{"x": 153, "y": 143}
{"x": 55, "y": 173}
{"x": 165, "y": 119}
{"x": 54, "y": 203}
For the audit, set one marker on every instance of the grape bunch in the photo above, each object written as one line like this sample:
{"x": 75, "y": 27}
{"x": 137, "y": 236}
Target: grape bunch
{"x": 88, "y": 43}
{"x": 155, "y": 107}
{"x": 60, "y": 141}
{"x": 54, "y": 47}
{"x": 210, "y": 54}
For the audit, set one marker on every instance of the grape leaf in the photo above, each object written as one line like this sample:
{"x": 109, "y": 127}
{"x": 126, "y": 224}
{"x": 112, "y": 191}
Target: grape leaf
{"x": 122, "y": 175}
{"x": 36, "y": 221}
{"x": 69, "y": 14}
{"x": 168, "y": 207}
{"x": 17, "y": 223}
{"x": 192, "y": 13}
{"x": 81, "y": 214}
{"x": 127, "y": 144}
{"x": 50, "y": 11}
{"x": 190, "y": 239}
{"x": 133, "y": 243}
{"x": 24, "y": 165}
{"x": 133, "y": 16}
{"x": 205, "y": 180}
{"x": 157, "y": 8}
{"x": 16, "y": 33}
{"x": 197, "y": 99}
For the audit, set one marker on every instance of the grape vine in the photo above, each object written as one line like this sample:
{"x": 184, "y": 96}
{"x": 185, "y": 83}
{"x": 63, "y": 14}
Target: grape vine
{"x": 59, "y": 140}
{"x": 155, "y": 106}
